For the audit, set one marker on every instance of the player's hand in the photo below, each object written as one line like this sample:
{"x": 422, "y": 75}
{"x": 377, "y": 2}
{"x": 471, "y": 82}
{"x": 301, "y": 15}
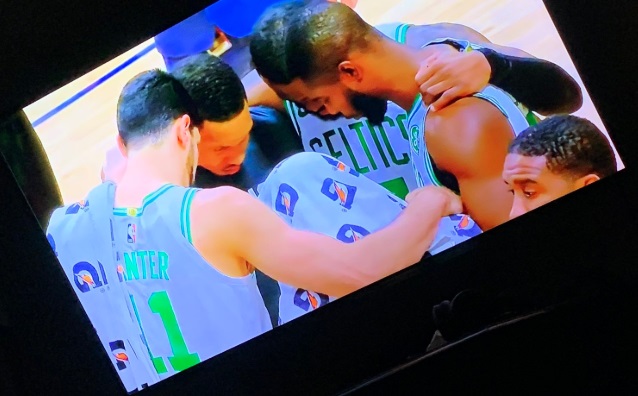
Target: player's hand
{"x": 431, "y": 195}
{"x": 451, "y": 75}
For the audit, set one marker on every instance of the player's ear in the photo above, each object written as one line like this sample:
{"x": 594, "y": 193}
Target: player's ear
{"x": 349, "y": 73}
{"x": 182, "y": 129}
{"x": 121, "y": 146}
{"x": 587, "y": 180}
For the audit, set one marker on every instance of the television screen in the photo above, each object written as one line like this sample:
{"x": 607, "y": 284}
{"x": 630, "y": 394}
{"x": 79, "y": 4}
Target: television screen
{"x": 355, "y": 136}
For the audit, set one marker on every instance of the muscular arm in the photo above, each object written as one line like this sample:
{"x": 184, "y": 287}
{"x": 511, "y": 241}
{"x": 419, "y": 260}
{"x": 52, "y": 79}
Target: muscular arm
{"x": 541, "y": 85}
{"x": 469, "y": 139}
{"x": 244, "y": 228}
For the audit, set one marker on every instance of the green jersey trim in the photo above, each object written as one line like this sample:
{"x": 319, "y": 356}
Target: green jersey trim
{"x": 185, "y": 218}
{"x": 291, "y": 112}
{"x": 137, "y": 212}
{"x": 400, "y": 35}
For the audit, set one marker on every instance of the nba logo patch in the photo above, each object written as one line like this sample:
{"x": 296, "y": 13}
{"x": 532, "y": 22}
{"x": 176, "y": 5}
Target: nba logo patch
{"x": 339, "y": 192}
{"x": 131, "y": 233}
{"x": 119, "y": 353}
{"x": 350, "y": 233}
{"x": 286, "y": 201}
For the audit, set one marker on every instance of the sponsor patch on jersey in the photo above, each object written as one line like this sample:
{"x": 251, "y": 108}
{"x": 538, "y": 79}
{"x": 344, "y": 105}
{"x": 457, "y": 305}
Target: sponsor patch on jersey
{"x": 119, "y": 353}
{"x": 339, "y": 166}
{"x": 465, "y": 226}
{"x": 286, "y": 201}
{"x": 87, "y": 277}
{"x": 339, "y": 192}
{"x": 75, "y": 208}
{"x": 350, "y": 233}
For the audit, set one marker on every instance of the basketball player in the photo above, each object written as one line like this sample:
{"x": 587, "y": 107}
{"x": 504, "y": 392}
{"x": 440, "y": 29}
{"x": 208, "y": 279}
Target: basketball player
{"x": 466, "y": 141}
{"x": 175, "y": 266}
{"x": 382, "y": 152}
{"x": 232, "y": 133}
{"x": 553, "y": 158}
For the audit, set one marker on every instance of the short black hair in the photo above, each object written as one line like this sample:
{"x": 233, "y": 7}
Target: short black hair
{"x": 268, "y": 41}
{"x": 572, "y": 146}
{"x": 148, "y": 104}
{"x": 321, "y": 36}
{"x": 214, "y": 86}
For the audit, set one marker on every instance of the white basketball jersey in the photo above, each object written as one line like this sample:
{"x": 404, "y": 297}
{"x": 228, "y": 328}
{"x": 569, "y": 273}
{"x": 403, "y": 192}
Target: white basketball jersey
{"x": 188, "y": 311}
{"x": 382, "y": 152}
{"x": 156, "y": 304}
{"x": 314, "y": 192}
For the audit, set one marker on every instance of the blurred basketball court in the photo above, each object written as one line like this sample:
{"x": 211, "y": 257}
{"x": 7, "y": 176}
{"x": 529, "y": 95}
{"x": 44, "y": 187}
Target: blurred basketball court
{"x": 77, "y": 123}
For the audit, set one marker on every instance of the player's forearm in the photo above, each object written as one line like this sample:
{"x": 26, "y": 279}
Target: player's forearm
{"x": 260, "y": 94}
{"x": 393, "y": 248}
{"x": 539, "y": 84}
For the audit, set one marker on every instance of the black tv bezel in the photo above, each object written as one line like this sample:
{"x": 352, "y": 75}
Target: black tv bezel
{"x": 572, "y": 247}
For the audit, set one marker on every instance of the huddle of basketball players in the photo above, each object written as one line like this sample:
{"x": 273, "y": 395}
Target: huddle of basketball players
{"x": 416, "y": 138}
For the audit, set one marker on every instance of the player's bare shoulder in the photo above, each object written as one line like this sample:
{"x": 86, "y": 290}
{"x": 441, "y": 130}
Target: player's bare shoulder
{"x": 456, "y": 133}
{"x": 219, "y": 201}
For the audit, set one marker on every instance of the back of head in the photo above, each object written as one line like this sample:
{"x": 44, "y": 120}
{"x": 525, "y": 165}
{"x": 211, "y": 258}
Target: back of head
{"x": 321, "y": 36}
{"x": 148, "y": 105}
{"x": 268, "y": 41}
{"x": 214, "y": 86}
{"x": 572, "y": 146}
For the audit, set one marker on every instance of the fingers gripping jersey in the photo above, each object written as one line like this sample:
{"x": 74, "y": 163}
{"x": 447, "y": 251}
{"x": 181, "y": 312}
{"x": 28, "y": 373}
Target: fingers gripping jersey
{"x": 381, "y": 152}
{"x": 518, "y": 116}
{"x": 315, "y": 192}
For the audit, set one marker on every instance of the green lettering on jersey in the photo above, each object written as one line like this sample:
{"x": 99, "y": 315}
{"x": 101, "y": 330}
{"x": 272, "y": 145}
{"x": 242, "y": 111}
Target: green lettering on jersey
{"x": 351, "y": 154}
{"x": 401, "y": 119}
{"x": 406, "y": 156}
{"x": 315, "y": 142}
{"x": 130, "y": 262}
{"x": 142, "y": 260}
{"x": 162, "y": 258}
{"x": 357, "y": 128}
{"x": 397, "y": 187}
{"x": 182, "y": 358}
{"x": 331, "y": 149}
{"x": 151, "y": 265}
{"x": 375, "y": 137}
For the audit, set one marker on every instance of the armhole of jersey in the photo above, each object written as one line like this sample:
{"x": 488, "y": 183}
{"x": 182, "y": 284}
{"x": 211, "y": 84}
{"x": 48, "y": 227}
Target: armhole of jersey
{"x": 509, "y": 109}
{"x": 291, "y": 112}
{"x": 185, "y": 214}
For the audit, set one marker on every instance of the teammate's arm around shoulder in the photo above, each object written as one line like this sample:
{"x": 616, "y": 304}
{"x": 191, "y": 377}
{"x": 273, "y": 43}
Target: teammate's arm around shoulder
{"x": 541, "y": 85}
{"x": 470, "y": 139}
{"x": 252, "y": 232}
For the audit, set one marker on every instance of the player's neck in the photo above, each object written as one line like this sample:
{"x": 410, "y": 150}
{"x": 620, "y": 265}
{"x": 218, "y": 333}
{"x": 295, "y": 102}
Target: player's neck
{"x": 146, "y": 171}
{"x": 400, "y": 64}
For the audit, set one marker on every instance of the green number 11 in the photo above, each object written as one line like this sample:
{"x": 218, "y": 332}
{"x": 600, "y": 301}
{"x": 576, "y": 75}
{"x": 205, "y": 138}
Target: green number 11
{"x": 160, "y": 303}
